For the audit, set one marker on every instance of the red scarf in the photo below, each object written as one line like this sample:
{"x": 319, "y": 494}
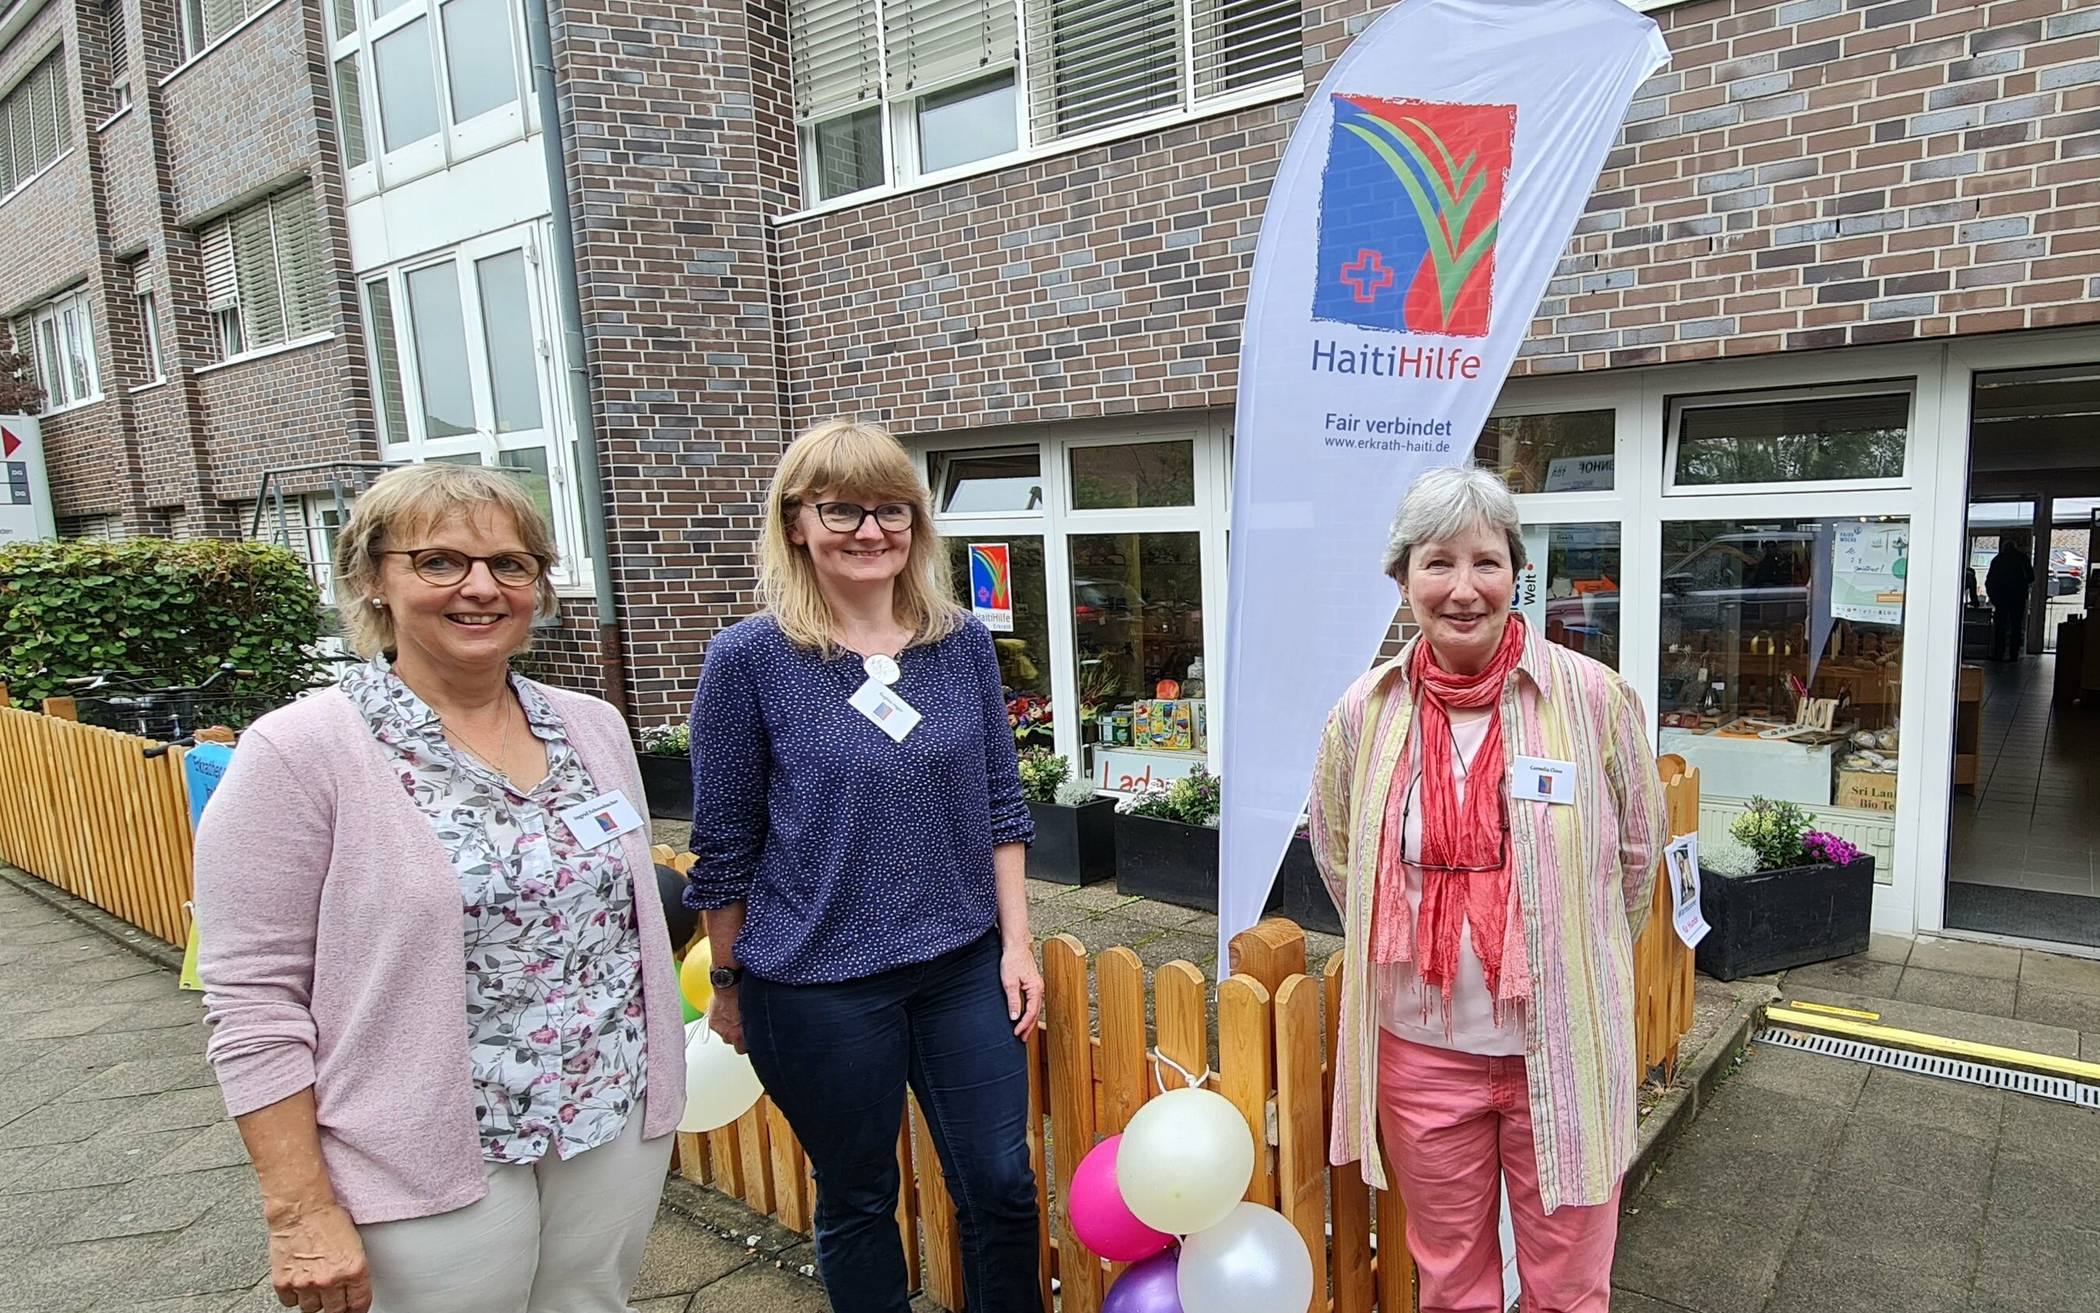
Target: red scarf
{"x": 1456, "y": 834}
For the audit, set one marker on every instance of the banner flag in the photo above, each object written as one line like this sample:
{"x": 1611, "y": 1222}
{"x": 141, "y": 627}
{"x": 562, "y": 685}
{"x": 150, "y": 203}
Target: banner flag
{"x": 1425, "y": 198}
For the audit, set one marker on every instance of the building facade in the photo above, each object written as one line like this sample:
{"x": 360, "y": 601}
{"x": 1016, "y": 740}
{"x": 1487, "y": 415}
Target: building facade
{"x": 1836, "y": 282}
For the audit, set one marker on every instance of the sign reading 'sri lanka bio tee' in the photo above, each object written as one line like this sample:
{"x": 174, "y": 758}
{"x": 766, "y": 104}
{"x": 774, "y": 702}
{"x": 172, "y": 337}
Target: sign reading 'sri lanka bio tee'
{"x": 25, "y": 492}
{"x": 1425, "y": 198}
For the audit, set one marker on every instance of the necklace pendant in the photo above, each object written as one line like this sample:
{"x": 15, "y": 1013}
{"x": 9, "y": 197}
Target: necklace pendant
{"x": 881, "y": 668}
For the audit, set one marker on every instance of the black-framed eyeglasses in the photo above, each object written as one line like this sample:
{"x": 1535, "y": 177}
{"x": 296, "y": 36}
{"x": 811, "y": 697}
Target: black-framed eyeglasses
{"x": 445, "y": 566}
{"x": 1407, "y": 804}
{"x": 847, "y": 517}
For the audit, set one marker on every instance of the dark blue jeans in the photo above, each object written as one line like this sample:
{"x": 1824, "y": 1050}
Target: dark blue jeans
{"x": 836, "y": 1059}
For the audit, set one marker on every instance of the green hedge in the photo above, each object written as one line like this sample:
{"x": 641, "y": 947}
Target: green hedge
{"x": 152, "y": 607}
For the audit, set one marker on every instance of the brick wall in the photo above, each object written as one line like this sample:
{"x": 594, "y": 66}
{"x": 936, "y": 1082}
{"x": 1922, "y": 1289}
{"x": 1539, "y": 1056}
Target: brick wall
{"x": 671, "y": 197}
{"x": 272, "y": 411}
{"x": 263, "y": 70}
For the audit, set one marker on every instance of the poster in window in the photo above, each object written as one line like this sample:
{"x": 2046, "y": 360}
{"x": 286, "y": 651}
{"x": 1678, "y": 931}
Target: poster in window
{"x": 992, "y": 586}
{"x": 1868, "y": 564}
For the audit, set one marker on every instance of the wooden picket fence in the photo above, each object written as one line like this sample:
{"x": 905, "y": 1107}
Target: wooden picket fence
{"x": 86, "y": 809}
{"x": 1090, "y": 1070}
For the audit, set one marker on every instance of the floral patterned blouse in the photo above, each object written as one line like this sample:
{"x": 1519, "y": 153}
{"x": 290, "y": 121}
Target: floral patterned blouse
{"x": 554, "y": 964}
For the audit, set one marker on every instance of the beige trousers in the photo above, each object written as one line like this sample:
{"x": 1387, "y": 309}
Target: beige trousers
{"x": 554, "y": 1236}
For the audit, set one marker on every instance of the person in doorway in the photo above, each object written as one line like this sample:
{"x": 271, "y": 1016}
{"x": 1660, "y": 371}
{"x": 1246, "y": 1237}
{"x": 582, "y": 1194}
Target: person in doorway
{"x": 437, "y": 976}
{"x": 1487, "y": 815}
{"x": 861, "y": 838}
{"x": 2008, "y": 583}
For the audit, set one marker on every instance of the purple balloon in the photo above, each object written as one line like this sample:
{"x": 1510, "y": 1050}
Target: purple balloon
{"x": 1147, "y": 1287}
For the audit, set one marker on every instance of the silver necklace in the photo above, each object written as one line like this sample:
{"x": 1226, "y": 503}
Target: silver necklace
{"x": 502, "y": 748}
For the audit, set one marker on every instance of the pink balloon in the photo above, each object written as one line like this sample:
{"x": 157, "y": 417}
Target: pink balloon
{"x": 1100, "y": 1218}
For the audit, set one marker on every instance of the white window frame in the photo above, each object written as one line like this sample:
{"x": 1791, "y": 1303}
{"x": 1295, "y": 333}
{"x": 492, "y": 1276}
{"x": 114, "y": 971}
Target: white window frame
{"x": 229, "y": 322}
{"x": 898, "y": 118}
{"x": 1056, "y": 523}
{"x": 486, "y": 444}
{"x": 61, "y": 125}
{"x": 54, "y": 360}
{"x": 1674, "y": 416}
{"x": 455, "y": 140}
{"x": 147, "y": 299}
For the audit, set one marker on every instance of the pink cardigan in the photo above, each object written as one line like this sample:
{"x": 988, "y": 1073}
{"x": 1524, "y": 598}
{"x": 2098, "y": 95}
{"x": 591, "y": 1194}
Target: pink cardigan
{"x": 332, "y": 955}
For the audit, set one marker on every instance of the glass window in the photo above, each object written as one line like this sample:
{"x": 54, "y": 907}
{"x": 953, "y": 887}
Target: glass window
{"x": 438, "y": 333}
{"x": 1550, "y": 453}
{"x": 506, "y": 320}
{"x": 1024, "y": 650}
{"x": 50, "y": 369}
{"x": 478, "y": 61}
{"x": 350, "y": 112}
{"x": 381, "y": 8}
{"x": 1570, "y": 589}
{"x": 963, "y": 124}
{"x": 1782, "y": 656}
{"x": 983, "y": 482}
{"x": 1134, "y": 474}
{"x": 345, "y": 12}
{"x": 529, "y": 466}
{"x": 80, "y": 359}
{"x": 849, "y": 153}
{"x": 149, "y": 321}
{"x": 408, "y": 110}
{"x": 1137, "y": 620}
{"x": 386, "y": 359}
{"x": 1799, "y": 440}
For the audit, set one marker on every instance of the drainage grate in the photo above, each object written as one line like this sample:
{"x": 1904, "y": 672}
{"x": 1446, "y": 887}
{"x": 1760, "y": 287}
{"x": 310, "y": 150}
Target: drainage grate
{"x": 1925, "y": 1064}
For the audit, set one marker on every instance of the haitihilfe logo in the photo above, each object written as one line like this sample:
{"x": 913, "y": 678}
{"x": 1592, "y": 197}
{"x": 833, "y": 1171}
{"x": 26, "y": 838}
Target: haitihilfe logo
{"x": 1410, "y": 207}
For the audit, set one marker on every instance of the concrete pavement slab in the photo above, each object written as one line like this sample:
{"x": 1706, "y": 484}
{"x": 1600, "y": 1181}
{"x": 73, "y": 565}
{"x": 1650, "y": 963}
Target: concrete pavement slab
{"x": 1759, "y": 1188}
{"x": 1872, "y": 1148}
{"x": 1743, "y": 1118}
{"x": 2058, "y": 1007}
{"x": 217, "y": 1145}
{"x": 1983, "y": 995}
{"x": 2027, "y": 1268}
{"x": 1699, "y": 1260}
{"x": 107, "y": 1048}
{"x": 2089, "y": 1047}
{"x": 1966, "y": 957}
{"x": 101, "y": 1161}
{"x": 681, "y": 1259}
{"x": 1956, "y": 1024}
{"x": 2045, "y": 1131}
{"x": 2047, "y": 1194}
{"x": 1829, "y": 1282}
{"x": 1907, "y": 1099}
{"x": 2076, "y": 975}
{"x": 760, "y": 1288}
{"x": 1925, "y": 1230}
{"x": 146, "y": 1076}
{"x": 49, "y": 1022}
{"x": 27, "y": 1220}
{"x": 159, "y": 1203}
{"x": 1803, "y": 1075}
{"x": 1890, "y": 948}
{"x": 1859, "y": 975}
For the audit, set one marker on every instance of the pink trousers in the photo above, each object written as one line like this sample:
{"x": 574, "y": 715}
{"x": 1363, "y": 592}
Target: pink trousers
{"x": 1455, "y": 1122}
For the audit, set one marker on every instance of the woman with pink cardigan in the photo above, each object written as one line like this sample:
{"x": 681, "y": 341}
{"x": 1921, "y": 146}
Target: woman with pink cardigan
{"x": 437, "y": 976}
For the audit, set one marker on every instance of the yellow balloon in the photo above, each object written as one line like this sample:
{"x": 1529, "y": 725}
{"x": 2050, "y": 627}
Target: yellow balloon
{"x": 692, "y": 975}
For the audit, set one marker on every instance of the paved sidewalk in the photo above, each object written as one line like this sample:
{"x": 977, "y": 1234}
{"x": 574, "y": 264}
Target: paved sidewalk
{"x": 123, "y": 1185}
{"x": 1817, "y": 1185}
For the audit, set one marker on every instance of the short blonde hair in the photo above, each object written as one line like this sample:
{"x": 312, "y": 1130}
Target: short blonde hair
{"x": 413, "y": 500}
{"x": 850, "y": 460}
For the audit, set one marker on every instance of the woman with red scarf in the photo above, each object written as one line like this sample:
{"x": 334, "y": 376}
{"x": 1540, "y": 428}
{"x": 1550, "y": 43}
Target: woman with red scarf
{"x": 1487, "y": 815}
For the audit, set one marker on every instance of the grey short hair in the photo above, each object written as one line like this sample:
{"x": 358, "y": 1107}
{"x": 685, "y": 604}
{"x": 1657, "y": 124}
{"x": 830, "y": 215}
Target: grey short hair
{"x": 1447, "y": 502}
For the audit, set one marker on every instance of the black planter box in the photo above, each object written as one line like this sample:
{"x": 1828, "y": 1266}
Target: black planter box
{"x": 1300, "y": 894}
{"x": 1774, "y": 920}
{"x": 1167, "y": 861}
{"x": 1073, "y": 845}
{"x": 669, "y": 783}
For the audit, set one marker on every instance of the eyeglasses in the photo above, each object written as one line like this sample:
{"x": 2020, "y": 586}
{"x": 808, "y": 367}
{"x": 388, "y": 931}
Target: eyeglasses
{"x": 846, "y": 517}
{"x": 1407, "y": 803}
{"x": 445, "y": 567}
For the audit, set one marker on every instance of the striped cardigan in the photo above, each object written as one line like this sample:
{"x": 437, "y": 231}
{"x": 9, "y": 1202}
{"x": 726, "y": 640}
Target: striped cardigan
{"x": 1584, "y": 873}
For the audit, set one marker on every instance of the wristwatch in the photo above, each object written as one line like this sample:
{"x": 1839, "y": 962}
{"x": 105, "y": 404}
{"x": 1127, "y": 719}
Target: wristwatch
{"x": 725, "y": 977}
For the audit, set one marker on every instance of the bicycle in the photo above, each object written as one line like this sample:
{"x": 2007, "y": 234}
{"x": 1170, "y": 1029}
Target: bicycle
{"x": 154, "y": 708}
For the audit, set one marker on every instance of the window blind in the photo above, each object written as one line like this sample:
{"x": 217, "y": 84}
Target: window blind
{"x": 1244, "y": 43}
{"x": 255, "y": 272}
{"x": 215, "y": 250}
{"x": 301, "y": 270}
{"x": 928, "y": 43}
{"x": 1094, "y": 63}
{"x": 833, "y": 54}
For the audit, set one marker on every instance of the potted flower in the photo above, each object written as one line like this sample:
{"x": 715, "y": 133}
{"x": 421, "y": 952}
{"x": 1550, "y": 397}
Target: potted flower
{"x": 667, "y": 771}
{"x": 1075, "y": 832}
{"x": 1781, "y": 894}
{"x": 1028, "y": 714}
{"x": 1167, "y": 842}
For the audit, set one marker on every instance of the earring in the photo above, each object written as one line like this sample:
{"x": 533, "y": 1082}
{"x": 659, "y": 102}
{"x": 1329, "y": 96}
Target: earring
{"x": 378, "y": 605}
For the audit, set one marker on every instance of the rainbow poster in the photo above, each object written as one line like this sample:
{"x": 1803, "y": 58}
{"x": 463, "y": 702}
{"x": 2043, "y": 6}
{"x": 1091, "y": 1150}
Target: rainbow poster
{"x": 992, "y": 586}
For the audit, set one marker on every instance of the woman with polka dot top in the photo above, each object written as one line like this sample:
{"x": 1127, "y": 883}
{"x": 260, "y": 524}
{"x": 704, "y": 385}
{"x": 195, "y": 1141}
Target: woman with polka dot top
{"x": 861, "y": 835}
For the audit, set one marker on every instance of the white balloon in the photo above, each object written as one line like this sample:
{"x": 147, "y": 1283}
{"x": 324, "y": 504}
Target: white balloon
{"x": 720, "y": 1085}
{"x": 1252, "y": 1262}
{"x": 1185, "y": 1160}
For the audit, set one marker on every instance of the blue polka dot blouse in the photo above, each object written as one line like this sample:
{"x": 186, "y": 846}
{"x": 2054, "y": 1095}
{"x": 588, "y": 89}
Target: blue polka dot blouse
{"x": 853, "y": 854}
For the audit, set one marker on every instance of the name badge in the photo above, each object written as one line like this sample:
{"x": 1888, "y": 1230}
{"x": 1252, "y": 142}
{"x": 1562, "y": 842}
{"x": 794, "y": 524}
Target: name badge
{"x": 602, "y": 819}
{"x": 1541, "y": 779}
{"x": 888, "y": 712}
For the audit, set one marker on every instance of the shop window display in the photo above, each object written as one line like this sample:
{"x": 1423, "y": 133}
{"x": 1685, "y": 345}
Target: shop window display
{"x": 1571, "y": 587}
{"x": 1782, "y": 657}
{"x": 1131, "y": 475}
{"x": 1024, "y": 650}
{"x": 1571, "y": 452}
{"x": 1137, "y": 616}
{"x": 1799, "y": 440}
